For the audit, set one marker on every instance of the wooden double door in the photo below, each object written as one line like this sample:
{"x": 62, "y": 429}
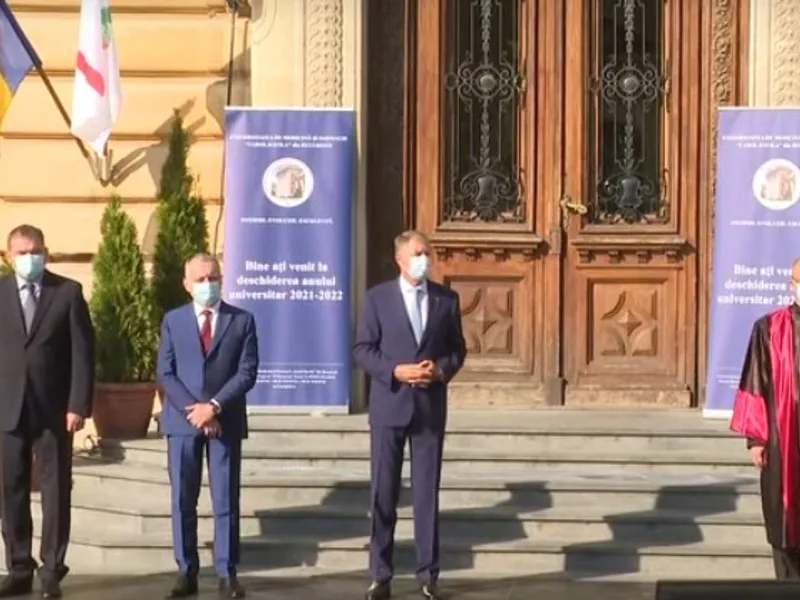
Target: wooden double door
{"x": 555, "y": 156}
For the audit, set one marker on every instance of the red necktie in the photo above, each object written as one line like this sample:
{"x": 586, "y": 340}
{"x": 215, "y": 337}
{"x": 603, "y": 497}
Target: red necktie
{"x": 205, "y": 331}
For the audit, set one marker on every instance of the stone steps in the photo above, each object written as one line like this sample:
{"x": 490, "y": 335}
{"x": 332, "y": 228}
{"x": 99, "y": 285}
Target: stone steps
{"x": 627, "y": 490}
{"x": 656, "y": 527}
{"x": 606, "y": 494}
{"x": 110, "y": 552}
{"x": 547, "y": 431}
{"x": 254, "y": 459}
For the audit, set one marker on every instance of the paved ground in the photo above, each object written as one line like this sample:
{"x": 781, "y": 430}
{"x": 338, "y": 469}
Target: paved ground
{"x": 342, "y": 587}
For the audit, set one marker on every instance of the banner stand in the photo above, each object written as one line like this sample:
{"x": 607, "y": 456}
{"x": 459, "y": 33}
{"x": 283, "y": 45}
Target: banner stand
{"x": 756, "y": 236}
{"x": 287, "y": 252}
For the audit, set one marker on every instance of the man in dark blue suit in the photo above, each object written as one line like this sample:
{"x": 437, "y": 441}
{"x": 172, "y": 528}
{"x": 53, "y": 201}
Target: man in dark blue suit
{"x": 207, "y": 362}
{"x": 410, "y": 342}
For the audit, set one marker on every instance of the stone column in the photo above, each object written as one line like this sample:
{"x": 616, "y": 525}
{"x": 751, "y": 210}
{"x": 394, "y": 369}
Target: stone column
{"x": 324, "y": 59}
{"x": 774, "y": 52}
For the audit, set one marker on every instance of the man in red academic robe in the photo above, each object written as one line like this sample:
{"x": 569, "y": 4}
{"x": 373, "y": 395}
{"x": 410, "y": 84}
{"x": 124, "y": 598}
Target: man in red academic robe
{"x": 765, "y": 412}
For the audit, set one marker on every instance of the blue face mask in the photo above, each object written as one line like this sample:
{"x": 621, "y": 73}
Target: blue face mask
{"x": 29, "y": 266}
{"x": 419, "y": 267}
{"x": 206, "y": 293}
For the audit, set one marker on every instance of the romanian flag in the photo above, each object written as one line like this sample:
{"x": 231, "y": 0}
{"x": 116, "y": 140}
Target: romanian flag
{"x": 17, "y": 57}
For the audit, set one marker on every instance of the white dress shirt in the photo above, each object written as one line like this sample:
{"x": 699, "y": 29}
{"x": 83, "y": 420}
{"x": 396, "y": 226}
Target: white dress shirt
{"x": 409, "y": 297}
{"x": 214, "y": 310}
{"x": 23, "y": 291}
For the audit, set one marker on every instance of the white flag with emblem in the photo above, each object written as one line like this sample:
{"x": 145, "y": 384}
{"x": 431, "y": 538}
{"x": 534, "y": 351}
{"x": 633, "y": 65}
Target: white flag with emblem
{"x": 97, "y": 96}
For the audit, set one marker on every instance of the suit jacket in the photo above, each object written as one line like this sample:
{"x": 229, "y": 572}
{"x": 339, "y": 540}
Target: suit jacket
{"x": 385, "y": 339}
{"x": 52, "y": 368}
{"x": 187, "y": 376}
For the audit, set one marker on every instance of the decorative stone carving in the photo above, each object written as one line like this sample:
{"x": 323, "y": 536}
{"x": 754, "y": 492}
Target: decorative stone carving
{"x": 324, "y": 52}
{"x": 724, "y": 69}
{"x": 785, "y": 53}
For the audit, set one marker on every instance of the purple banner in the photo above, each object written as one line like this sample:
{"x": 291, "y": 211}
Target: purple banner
{"x": 288, "y": 213}
{"x": 756, "y": 238}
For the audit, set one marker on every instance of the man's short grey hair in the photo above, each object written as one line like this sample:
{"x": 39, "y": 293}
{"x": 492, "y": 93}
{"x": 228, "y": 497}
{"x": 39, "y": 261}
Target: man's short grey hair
{"x": 26, "y": 231}
{"x": 201, "y": 257}
{"x": 411, "y": 234}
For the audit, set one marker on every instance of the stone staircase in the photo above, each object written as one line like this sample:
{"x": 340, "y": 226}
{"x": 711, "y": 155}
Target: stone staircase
{"x": 617, "y": 494}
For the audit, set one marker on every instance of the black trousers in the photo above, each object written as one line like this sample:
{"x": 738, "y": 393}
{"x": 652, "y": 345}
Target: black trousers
{"x": 53, "y": 447}
{"x": 787, "y": 563}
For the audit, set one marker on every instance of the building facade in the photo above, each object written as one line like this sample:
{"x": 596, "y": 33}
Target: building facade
{"x": 560, "y": 153}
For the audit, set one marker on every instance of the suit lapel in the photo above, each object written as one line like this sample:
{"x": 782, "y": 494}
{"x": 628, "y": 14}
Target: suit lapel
{"x": 10, "y": 293}
{"x": 224, "y": 319}
{"x": 45, "y": 300}
{"x": 434, "y": 305}
{"x": 190, "y": 325}
{"x": 396, "y": 298}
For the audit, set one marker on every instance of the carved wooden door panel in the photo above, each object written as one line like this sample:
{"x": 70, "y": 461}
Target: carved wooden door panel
{"x": 630, "y": 200}
{"x": 554, "y": 163}
{"x": 474, "y": 187}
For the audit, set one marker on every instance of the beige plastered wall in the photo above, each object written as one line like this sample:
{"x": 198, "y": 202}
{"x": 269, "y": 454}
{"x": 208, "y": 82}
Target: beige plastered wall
{"x": 173, "y": 54}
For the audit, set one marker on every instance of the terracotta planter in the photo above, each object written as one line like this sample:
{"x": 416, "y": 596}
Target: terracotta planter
{"x": 122, "y": 411}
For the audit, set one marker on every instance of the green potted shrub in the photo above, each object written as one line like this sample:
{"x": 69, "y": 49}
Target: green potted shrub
{"x": 5, "y": 269}
{"x": 126, "y": 334}
{"x": 182, "y": 225}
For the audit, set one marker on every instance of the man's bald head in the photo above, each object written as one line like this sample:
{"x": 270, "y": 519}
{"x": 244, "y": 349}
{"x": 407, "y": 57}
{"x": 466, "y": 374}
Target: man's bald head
{"x": 796, "y": 270}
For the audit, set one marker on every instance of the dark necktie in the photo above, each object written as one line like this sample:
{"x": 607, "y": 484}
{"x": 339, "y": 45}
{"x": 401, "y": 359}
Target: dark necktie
{"x": 29, "y": 306}
{"x": 205, "y": 331}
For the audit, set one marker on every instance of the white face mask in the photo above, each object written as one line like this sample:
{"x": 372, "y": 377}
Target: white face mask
{"x": 797, "y": 294}
{"x": 419, "y": 267}
{"x": 29, "y": 266}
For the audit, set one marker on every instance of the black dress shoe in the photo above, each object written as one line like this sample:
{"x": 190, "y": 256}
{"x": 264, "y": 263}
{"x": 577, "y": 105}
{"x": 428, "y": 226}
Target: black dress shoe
{"x": 51, "y": 588}
{"x": 231, "y": 588}
{"x": 16, "y": 585}
{"x": 379, "y": 590}
{"x": 430, "y": 591}
{"x": 185, "y": 586}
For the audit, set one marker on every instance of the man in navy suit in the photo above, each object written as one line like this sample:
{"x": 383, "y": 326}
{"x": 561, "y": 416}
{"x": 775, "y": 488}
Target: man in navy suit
{"x": 207, "y": 362}
{"x": 409, "y": 341}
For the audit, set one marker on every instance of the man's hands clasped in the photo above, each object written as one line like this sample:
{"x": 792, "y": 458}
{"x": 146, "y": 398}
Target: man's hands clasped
{"x": 420, "y": 374}
{"x": 203, "y": 416}
{"x": 213, "y": 429}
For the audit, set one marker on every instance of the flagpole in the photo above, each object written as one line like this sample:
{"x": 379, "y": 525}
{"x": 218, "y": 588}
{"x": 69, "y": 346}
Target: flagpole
{"x": 234, "y": 7}
{"x": 60, "y": 105}
{"x": 65, "y": 115}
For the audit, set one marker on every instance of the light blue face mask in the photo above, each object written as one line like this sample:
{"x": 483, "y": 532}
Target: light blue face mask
{"x": 29, "y": 266}
{"x": 419, "y": 267}
{"x": 206, "y": 293}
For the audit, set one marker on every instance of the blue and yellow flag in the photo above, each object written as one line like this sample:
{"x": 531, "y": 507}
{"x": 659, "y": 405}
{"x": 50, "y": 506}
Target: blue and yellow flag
{"x": 17, "y": 57}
